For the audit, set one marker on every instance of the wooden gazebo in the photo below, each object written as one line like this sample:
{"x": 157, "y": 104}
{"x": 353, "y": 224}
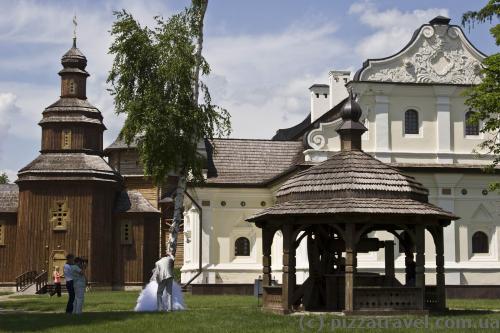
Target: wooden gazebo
{"x": 336, "y": 205}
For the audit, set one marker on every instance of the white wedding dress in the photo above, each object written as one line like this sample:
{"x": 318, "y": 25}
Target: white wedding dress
{"x": 147, "y": 299}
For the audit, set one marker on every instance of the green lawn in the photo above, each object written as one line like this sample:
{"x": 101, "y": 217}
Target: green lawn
{"x": 111, "y": 312}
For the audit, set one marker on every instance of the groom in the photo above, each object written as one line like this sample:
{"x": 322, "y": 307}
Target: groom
{"x": 164, "y": 276}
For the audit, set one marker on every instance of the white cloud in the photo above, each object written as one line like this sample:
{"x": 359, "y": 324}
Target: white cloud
{"x": 392, "y": 27}
{"x": 8, "y": 109}
{"x": 263, "y": 79}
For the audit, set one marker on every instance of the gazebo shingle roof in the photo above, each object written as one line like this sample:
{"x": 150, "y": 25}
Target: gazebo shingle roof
{"x": 9, "y": 198}
{"x": 349, "y": 173}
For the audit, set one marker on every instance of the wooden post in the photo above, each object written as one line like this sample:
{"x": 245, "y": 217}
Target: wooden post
{"x": 288, "y": 267}
{"x": 267, "y": 241}
{"x": 389, "y": 262}
{"x": 440, "y": 277}
{"x": 420, "y": 263}
{"x": 349, "y": 267}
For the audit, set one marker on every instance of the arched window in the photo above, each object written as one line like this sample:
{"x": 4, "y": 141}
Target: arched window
{"x": 411, "y": 122}
{"x": 471, "y": 126}
{"x": 480, "y": 243}
{"x": 242, "y": 247}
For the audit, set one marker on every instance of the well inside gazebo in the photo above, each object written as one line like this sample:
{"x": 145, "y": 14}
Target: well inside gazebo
{"x": 334, "y": 207}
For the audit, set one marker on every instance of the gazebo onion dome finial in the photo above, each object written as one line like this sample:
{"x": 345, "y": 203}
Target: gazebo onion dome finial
{"x": 351, "y": 109}
{"x": 351, "y": 129}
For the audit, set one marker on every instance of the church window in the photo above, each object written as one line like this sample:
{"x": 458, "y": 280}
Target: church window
{"x": 242, "y": 247}
{"x": 60, "y": 215}
{"x": 480, "y": 242}
{"x": 66, "y": 139}
{"x": 2, "y": 233}
{"x": 471, "y": 126}
{"x": 126, "y": 232}
{"x": 72, "y": 87}
{"x": 411, "y": 122}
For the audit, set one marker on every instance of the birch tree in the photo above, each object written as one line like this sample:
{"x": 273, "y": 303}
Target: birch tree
{"x": 484, "y": 98}
{"x": 156, "y": 82}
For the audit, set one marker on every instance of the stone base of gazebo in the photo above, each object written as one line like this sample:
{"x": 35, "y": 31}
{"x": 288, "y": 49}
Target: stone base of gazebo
{"x": 378, "y": 301}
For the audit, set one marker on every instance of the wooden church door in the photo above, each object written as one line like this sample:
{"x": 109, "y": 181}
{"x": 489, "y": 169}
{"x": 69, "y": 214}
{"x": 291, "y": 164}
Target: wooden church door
{"x": 58, "y": 258}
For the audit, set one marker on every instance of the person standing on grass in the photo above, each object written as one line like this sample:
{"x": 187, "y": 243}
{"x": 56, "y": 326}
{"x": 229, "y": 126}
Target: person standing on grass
{"x": 68, "y": 276}
{"x": 56, "y": 277}
{"x": 164, "y": 274}
{"x": 79, "y": 284}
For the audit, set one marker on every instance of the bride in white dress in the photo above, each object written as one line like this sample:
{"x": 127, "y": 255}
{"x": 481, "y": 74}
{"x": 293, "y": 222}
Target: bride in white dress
{"x": 147, "y": 299}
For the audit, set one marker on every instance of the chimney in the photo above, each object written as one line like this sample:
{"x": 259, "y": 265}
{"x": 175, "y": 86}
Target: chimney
{"x": 338, "y": 90}
{"x": 319, "y": 100}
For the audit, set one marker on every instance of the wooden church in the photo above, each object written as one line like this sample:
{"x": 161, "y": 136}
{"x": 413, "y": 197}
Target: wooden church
{"x": 70, "y": 200}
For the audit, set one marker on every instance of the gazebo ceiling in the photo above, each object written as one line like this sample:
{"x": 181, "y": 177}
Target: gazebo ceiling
{"x": 352, "y": 181}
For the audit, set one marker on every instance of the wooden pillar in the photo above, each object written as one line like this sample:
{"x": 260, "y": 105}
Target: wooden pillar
{"x": 349, "y": 266}
{"x": 440, "y": 277}
{"x": 420, "y": 263}
{"x": 288, "y": 286}
{"x": 389, "y": 262}
{"x": 267, "y": 241}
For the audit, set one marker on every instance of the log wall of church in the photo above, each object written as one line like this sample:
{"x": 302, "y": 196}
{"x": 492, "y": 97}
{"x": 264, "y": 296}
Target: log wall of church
{"x": 101, "y": 242}
{"x": 134, "y": 261}
{"x": 82, "y": 137}
{"x": 8, "y": 247}
{"x": 85, "y": 235}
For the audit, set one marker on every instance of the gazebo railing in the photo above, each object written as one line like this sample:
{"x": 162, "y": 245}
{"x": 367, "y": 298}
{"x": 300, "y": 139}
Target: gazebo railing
{"x": 386, "y": 298}
{"x": 272, "y": 297}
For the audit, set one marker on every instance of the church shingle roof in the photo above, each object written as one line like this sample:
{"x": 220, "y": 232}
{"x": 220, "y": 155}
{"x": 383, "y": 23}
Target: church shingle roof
{"x": 252, "y": 162}
{"x": 9, "y": 198}
{"x": 133, "y": 202}
{"x": 70, "y": 166}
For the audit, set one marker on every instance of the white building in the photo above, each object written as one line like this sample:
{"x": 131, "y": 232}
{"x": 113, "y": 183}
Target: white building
{"x": 416, "y": 118}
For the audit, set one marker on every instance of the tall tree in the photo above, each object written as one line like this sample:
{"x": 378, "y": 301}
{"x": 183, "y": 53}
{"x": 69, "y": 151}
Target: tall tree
{"x": 485, "y": 97}
{"x": 4, "y": 179}
{"x": 156, "y": 82}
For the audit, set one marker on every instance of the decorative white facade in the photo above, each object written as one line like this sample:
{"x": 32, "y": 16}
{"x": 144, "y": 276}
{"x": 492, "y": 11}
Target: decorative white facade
{"x": 427, "y": 78}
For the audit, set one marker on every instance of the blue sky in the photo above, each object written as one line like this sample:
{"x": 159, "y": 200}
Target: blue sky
{"x": 264, "y": 55}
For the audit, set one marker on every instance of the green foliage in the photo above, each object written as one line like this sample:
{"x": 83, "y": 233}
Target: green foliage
{"x": 154, "y": 82}
{"x": 485, "y": 97}
{"x": 112, "y": 312}
{"x": 4, "y": 179}
{"x": 177, "y": 274}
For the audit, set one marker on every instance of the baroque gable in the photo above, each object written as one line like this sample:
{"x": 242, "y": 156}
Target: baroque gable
{"x": 437, "y": 53}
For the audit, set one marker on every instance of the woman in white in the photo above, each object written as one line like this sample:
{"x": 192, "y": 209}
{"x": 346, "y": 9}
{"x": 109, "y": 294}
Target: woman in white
{"x": 79, "y": 283}
{"x": 147, "y": 300}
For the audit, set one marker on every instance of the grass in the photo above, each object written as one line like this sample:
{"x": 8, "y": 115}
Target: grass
{"x": 111, "y": 312}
